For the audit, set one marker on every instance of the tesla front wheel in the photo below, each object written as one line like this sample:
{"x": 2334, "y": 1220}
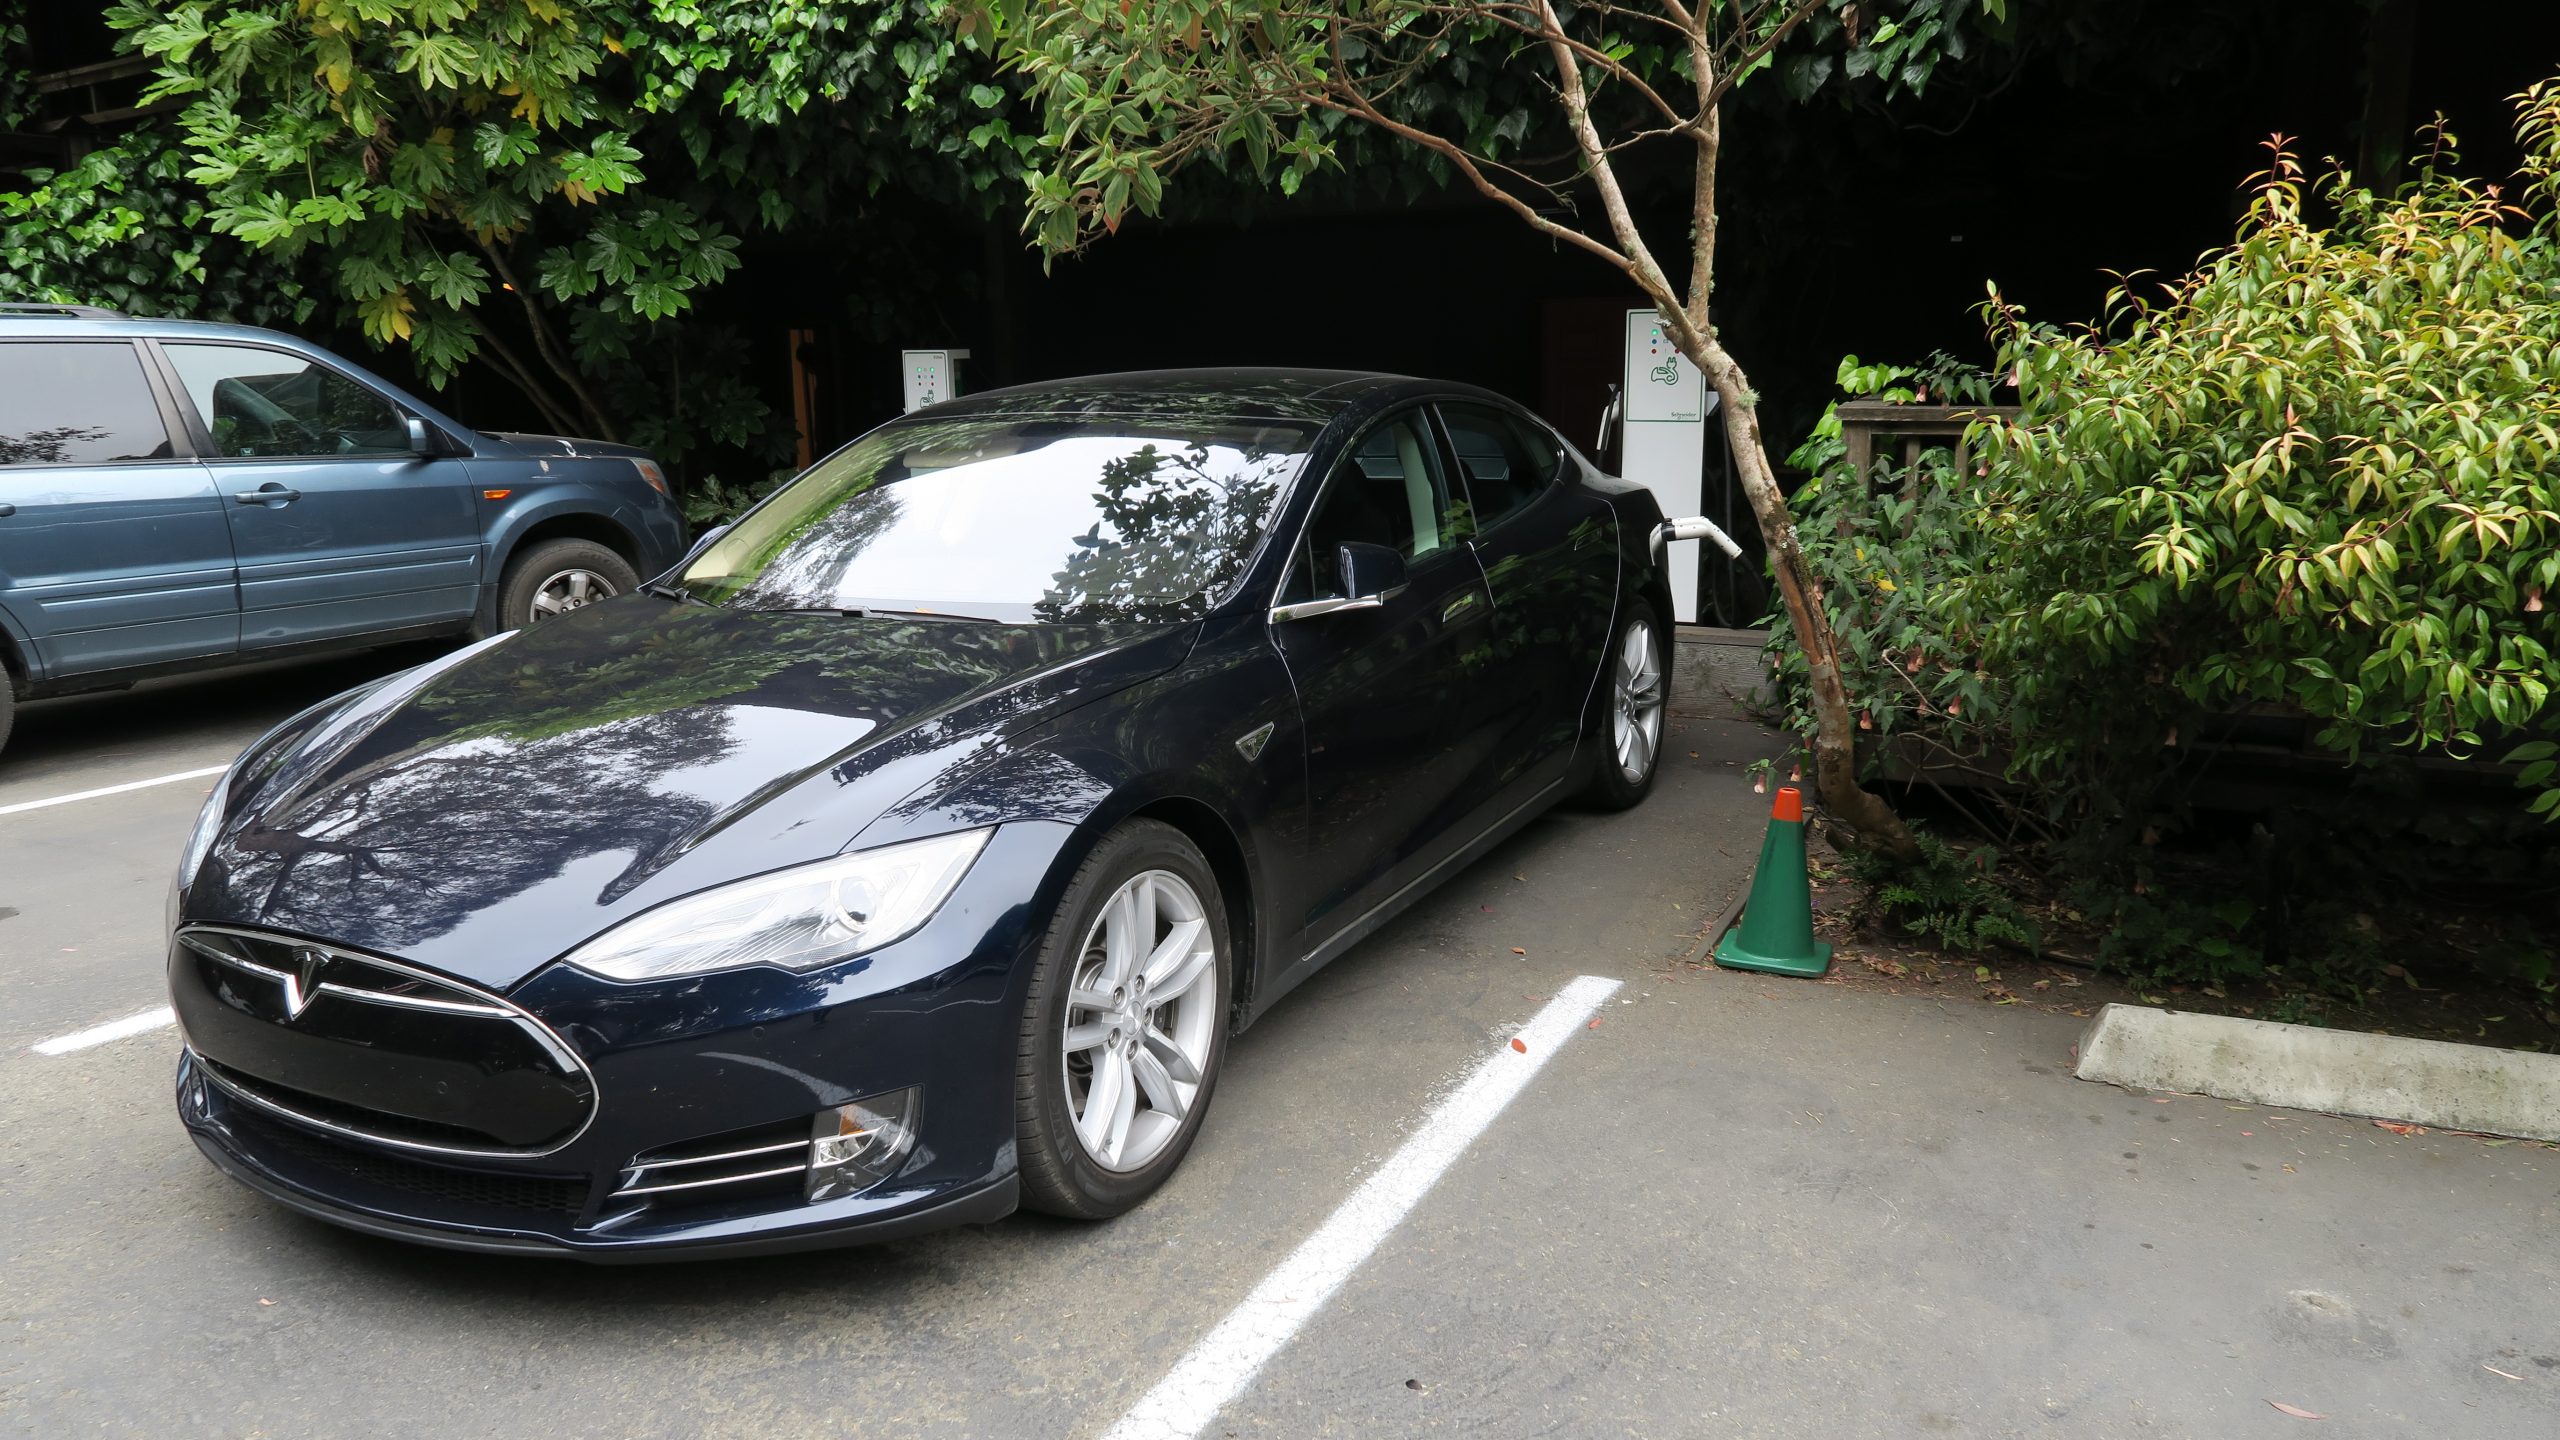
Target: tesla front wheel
{"x": 1631, "y": 742}
{"x": 1125, "y": 1027}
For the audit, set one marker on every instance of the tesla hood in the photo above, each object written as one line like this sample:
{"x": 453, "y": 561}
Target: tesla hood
{"x": 484, "y": 815}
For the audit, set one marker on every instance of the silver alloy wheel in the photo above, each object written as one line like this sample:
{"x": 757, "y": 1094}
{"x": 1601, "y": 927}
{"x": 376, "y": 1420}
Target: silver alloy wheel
{"x": 1636, "y": 717}
{"x": 572, "y": 589}
{"x": 1139, "y": 1019}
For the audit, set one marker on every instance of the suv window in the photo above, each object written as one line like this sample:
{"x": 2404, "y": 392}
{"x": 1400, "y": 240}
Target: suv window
{"x": 77, "y": 404}
{"x": 258, "y": 402}
{"x": 1504, "y": 460}
{"x": 1388, "y": 491}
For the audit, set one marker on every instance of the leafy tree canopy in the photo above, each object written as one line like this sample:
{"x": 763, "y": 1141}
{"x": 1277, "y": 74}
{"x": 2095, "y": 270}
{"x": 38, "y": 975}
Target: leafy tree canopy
{"x": 547, "y": 187}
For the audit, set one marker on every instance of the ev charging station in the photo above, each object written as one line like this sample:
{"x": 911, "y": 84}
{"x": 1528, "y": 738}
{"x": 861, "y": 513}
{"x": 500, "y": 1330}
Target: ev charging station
{"x": 931, "y": 376}
{"x": 1663, "y": 441}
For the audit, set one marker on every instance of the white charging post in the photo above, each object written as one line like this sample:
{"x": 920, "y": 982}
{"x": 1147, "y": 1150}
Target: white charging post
{"x": 1663, "y": 439}
{"x": 932, "y": 376}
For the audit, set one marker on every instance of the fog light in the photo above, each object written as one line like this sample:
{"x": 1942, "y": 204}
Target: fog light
{"x": 854, "y": 1147}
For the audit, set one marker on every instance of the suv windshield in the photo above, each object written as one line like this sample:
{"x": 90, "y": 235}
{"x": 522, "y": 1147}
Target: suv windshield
{"x": 1013, "y": 518}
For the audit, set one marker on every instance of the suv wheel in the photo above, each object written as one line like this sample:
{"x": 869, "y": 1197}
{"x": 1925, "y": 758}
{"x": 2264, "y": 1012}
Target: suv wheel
{"x": 558, "y": 576}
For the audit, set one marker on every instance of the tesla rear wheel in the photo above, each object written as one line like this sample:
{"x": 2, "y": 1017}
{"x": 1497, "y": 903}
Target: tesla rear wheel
{"x": 1125, "y": 1027}
{"x": 1639, "y": 682}
{"x": 558, "y": 576}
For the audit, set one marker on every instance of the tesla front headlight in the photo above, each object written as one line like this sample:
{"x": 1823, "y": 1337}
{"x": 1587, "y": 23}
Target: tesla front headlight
{"x": 798, "y": 918}
{"x": 208, "y": 825}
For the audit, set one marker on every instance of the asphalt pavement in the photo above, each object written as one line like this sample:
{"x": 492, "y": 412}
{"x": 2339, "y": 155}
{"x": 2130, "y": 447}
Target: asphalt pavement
{"x": 1733, "y": 1206}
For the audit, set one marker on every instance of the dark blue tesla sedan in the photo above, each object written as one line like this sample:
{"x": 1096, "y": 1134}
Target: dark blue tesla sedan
{"x": 908, "y": 853}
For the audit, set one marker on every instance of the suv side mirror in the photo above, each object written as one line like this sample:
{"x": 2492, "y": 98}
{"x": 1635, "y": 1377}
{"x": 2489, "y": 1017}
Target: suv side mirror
{"x": 421, "y": 443}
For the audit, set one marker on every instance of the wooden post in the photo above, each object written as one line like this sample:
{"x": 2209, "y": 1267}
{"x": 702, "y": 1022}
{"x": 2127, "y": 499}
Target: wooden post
{"x": 803, "y": 395}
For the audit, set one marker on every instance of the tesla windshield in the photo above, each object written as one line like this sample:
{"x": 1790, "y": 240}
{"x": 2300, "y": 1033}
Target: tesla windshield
{"x": 1013, "y": 518}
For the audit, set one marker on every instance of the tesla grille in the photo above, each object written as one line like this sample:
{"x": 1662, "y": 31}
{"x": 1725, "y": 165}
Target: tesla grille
{"x": 523, "y": 1194}
{"x": 352, "y": 1117}
{"x": 767, "y": 1161}
{"x": 351, "y": 1042}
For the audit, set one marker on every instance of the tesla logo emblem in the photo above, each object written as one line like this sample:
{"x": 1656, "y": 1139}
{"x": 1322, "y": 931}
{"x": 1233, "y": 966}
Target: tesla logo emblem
{"x": 302, "y": 982}
{"x": 1251, "y": 745}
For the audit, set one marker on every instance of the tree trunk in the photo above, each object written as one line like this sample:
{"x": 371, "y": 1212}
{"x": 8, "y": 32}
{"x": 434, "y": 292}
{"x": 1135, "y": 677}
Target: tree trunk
{"x": 1835, "y": 736}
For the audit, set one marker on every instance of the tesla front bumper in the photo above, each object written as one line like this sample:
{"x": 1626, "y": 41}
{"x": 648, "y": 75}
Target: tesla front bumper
{"x": 681, "y": 1119}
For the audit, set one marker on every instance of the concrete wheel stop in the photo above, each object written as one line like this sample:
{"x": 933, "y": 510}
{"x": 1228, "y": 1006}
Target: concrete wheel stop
{"x": 2337, "y": 1072}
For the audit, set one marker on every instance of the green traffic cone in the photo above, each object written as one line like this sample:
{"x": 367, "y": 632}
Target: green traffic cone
{"x": 1776, "y": 934}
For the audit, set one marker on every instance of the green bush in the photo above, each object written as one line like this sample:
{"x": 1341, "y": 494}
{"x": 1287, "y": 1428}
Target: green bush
{"x": 2313, "y": 478}
{"x": 2316, "y": 474}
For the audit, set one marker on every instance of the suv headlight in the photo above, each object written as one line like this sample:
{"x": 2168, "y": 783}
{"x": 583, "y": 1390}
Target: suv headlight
{"x": 806, "y": 916}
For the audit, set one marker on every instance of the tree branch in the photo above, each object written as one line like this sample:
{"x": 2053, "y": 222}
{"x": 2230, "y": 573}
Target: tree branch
{"x": 544, "y": 344}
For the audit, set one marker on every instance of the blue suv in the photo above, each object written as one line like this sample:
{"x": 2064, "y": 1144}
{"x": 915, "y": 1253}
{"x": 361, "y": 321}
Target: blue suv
{"x": 177, "y": 495}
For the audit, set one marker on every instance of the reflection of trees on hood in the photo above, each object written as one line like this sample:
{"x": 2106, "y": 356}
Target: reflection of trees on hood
{"x": 557, "y": 746}
{"x": 417, "y": 849}
{"x": 1176, "y": 525}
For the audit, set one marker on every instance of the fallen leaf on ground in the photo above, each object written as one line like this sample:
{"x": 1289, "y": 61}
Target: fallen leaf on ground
{"x": 1594, "y": 1025}
{"x": 263, "y": 1300}
{"x": 1516, "y": 950}
{"x": 1519, "y": 1045}
{"x": 2396, "y": 1128}
{"x": 2494, "y": 1370}
{"x": 2296, "y": 1411}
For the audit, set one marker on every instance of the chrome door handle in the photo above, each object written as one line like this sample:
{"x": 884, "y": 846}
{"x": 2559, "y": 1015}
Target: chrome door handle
{"x": 268, "y": 495}
{"x": 7, "y": 510}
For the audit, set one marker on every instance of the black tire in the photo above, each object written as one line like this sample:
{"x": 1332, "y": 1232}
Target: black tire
{"x": 537, "y": 566}
{"x": 8, "y": 706}
{"x": 1059, "y": 1175}
{"x": 1611, "y": 787}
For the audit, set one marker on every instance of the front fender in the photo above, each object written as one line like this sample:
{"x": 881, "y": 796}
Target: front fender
{"x": 1169, "y": 744}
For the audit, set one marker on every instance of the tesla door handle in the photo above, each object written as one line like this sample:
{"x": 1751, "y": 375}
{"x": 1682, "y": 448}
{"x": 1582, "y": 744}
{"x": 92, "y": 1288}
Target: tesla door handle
{"x": 268, "y": 495}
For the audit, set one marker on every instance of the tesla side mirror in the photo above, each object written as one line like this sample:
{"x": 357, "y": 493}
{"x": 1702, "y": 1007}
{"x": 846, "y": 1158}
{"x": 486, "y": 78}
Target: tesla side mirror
{"x": 1371, "y": 576}
{"x": 709, "y": 538}
{"x": 421, "y": 443}
{"x": 1372, "y": 573}
{"x": 1695, "y": 527}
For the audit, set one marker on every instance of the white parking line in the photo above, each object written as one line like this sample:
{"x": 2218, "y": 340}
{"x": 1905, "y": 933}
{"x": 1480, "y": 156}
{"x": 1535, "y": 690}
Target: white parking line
{"x": 1217, "y": 1369}
{"x": 113, "y": 789}
{"x": 131, "y": 1025}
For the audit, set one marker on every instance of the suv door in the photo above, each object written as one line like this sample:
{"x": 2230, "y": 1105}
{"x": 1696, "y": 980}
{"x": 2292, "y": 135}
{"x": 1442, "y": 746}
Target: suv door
{"x": 1388, "y": 696}
{"x": 339, "y": 528}
{"x": 113, "y": 550}
{"x": 1548, "y": 556}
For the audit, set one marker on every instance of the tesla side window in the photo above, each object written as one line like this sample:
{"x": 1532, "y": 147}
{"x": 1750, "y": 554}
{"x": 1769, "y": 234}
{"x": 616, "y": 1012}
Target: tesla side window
{"x": 1387, "y": 491}
{"x": 269, "y": 404}
{"x": 1502, "y": 468}
{"x": 1014, "y": 519}
{"x": 77, "y": 404}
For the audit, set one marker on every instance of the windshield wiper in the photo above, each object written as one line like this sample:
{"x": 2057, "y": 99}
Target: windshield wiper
{"x": 878, "y": 612}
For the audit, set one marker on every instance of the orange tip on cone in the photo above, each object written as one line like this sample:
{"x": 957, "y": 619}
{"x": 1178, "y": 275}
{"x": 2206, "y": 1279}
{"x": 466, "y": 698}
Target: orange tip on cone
{"x": 1790, "y": 804}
